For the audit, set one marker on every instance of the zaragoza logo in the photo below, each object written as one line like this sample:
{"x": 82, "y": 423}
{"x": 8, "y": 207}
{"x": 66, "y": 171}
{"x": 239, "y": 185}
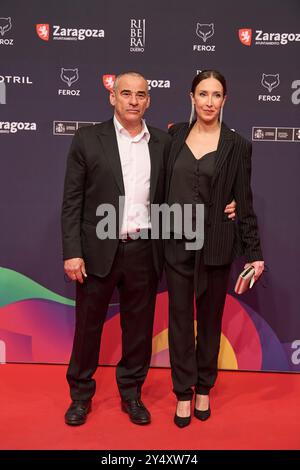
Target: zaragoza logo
{"x": 245, "y": 36}
{"x": 43, "y": 31}
{"x": 67, "y": 34}
{"x": 108, "y": 81}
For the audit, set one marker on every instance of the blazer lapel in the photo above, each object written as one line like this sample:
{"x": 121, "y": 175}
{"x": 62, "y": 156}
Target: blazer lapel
{"x": 177, "y": 144}
{"x": 224, "y": 147}
{"x": 108, "y": 138}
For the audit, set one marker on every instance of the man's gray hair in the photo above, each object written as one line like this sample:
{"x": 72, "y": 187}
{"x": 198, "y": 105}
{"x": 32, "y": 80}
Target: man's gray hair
{"x": 132, "y": 73}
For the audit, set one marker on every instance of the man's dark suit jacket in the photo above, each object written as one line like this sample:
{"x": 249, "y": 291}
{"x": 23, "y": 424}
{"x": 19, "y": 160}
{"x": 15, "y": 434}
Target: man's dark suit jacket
{"x": 94, "y": 177}
{"x": 224, "y": 238}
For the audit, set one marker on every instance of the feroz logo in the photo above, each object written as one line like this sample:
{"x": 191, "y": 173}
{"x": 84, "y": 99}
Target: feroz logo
{"x": 137, "y": 35}
{"x": 43, "y": 31}
{"x": 5, "y": 25}
{"x": 269, "y": 81}
{"x": 69, "y": 76}
{"x": 205, "y": 31}
{"x": 245, "y": 36}
{"x": 108, "y": 81}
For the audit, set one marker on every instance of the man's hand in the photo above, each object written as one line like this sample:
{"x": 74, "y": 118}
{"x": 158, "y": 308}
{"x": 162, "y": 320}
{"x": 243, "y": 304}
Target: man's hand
{"x": 75, "y": 269}
{"x": 230, "y": 209}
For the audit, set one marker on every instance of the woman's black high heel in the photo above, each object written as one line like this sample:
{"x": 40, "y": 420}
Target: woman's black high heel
{"x": 203, "y": 415}
{"x": 182, "y": 422}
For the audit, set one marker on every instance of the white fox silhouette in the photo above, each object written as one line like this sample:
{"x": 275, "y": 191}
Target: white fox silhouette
{"x": 270, "y": 81}
{"x": 69, "y": 76}
{"x": 5, "y": 25}
{"x": 205, "y": 31}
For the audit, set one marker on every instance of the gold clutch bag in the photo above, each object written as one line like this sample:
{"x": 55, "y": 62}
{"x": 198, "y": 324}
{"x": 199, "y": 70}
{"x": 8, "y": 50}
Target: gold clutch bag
{"x": 245, "y": 280}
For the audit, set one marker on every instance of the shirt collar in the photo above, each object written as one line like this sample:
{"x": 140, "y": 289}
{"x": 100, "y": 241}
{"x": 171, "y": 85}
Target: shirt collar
{"x": 144, "y": 134}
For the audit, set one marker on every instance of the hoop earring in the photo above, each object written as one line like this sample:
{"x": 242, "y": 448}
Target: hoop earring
{"x": 192, "y": 115}
{"x": 221, "y": 115}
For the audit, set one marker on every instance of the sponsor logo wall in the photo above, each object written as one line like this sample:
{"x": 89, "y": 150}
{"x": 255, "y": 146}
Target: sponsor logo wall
{"x": 58, "y": 66}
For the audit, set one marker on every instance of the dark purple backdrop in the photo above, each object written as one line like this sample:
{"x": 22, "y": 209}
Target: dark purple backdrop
{"x": 33, "y": 162}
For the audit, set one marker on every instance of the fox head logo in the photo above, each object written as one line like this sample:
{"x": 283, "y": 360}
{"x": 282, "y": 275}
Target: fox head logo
{"x": 69, "y": 76}
{"x": 5, "y": 25}
{"x": 108, "y": 81}
{"x": 270, "y": 81}
{"x": 205, "y": 31}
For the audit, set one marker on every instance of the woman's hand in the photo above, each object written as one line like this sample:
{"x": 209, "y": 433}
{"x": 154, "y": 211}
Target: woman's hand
{"x": 259, "y": 267}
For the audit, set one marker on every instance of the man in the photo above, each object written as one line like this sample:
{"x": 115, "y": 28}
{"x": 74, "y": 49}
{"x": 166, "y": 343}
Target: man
{"x": 116, "y": 158}
{"x": 120, "y": 157}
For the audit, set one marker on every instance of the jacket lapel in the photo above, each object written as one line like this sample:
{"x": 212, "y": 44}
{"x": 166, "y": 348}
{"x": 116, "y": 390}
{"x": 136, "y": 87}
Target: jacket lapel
{"x": 108, "y": 138}
{"x": 224, "y": 147}
{"x": 177, "y": 144}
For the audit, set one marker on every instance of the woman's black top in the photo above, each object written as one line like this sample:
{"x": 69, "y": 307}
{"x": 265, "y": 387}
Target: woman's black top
{"x": 191, "y": 181}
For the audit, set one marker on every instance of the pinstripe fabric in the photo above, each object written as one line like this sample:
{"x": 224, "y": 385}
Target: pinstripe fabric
{"x": 225, "y": 239}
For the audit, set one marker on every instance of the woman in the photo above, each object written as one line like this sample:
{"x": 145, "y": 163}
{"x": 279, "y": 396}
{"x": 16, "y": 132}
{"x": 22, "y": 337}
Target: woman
{"x": 209, "y": 164}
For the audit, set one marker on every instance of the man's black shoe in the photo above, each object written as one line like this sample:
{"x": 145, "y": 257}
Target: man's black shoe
{"x": 137, "y": 411}
{"x": 77, "y": 412}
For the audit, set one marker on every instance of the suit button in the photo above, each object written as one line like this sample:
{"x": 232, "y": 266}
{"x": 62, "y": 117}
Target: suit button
{"x": 208, "y": 224}
{"x": 210, "y": 204}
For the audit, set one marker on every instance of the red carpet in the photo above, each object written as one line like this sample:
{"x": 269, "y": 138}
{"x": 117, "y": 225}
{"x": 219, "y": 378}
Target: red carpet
{"x": 249, "y": 411}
